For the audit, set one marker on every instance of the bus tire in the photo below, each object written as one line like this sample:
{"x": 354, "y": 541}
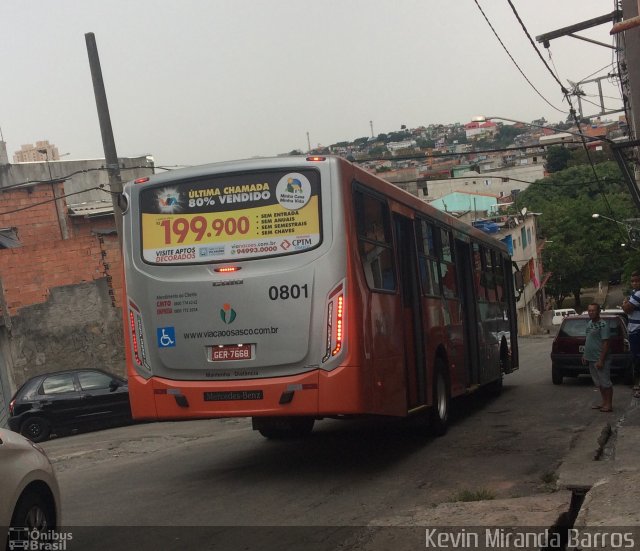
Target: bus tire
{"x": 441, "y": 400}
{"x": 495, "y": 387}
{"x": 283, "y": 428}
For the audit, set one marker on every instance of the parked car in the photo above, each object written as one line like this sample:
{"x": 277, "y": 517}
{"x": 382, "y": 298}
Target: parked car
{"x": 615, "y": 312}
{"x": 568, "y": 346}
{"x": 560, "y": 313}
{"x": 30, "y": 497}
{"x": 55, "y": 403}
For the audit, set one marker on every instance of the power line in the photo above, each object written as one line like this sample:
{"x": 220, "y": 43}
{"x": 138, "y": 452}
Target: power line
{"x": 514, "y": 61}
{"x": 526, "y": 32}
{"x": 437, "y": 155}
{"x": 33, "y": 205}
{"x": 572, "y": 110}
{"x": 67, "y": 176}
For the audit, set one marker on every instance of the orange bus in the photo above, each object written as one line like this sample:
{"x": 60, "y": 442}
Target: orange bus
{"x": 299, "y": 288}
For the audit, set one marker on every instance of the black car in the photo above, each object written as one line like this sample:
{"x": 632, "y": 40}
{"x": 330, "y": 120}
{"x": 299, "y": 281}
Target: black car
{"x": 55, "y": 403}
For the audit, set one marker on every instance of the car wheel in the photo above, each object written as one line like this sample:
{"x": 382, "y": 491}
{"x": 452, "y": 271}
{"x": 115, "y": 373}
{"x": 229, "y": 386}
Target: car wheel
{"x": 33, "y": 511}
{"x": 441, "y": 400}
{"x": 556, "y": 376}
{"x": 36, "y": 429}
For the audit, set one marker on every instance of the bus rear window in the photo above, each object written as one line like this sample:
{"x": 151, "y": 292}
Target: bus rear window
{"x": 231, "y": 217}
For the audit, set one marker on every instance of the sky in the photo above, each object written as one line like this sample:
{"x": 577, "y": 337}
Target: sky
{"x": 197, "y": 81}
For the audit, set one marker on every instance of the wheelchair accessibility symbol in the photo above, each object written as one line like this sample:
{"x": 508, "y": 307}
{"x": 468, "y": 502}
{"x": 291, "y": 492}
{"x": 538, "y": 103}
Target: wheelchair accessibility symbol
{"x": 166, "y": 337}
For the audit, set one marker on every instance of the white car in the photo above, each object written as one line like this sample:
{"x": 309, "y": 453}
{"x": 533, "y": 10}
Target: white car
{"x": 560, "y": 313}
{"x": 29, "y": 492}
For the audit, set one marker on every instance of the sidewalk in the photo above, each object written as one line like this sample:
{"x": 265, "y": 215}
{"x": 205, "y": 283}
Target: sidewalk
{"x": 604, "y": 467}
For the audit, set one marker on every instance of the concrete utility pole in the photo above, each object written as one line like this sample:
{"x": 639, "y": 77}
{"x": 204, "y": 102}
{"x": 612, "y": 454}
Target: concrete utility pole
{"x": 630, "y": 41}
{"x": 108, "y": 143}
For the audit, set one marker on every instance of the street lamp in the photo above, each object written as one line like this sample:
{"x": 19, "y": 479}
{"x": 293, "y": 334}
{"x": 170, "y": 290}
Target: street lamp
{"x": 633, "y": 233}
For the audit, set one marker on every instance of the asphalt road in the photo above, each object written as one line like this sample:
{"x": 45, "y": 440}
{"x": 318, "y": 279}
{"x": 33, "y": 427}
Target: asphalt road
{"x": 217, "y": 484}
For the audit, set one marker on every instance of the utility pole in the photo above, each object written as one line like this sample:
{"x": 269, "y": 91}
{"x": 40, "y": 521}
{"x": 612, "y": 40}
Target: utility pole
{"x": 308, "y": 143}
{"x": 371, "y": 125}
{"x": 108, "y": 143}
{"x": 629, "y": 40}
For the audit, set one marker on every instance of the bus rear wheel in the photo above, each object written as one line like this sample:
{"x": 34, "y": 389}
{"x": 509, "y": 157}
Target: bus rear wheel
{"x": 282, "y": 428}
{"x": 441, "y": 400}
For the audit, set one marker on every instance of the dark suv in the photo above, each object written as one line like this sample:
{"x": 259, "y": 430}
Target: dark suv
{"x": 567, "y": 348}
{"x": 66, "y": 400}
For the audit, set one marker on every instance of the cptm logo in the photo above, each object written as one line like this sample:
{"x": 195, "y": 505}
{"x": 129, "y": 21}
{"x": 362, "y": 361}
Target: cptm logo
{"x": 227, "y": 314}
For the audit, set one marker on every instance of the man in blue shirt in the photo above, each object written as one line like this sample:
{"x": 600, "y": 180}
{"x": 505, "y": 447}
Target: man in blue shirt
{"x": 631, "y": 307}
{"x": 596, "y": 348}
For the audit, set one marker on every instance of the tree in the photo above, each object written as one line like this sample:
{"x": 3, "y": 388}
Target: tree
{"x": 557, "y": 158}
{"x": 378, "y": 151}
{"x": 424, "y": 143}
{"x": 581, "y": 250}
{"x": 506, "y": 135}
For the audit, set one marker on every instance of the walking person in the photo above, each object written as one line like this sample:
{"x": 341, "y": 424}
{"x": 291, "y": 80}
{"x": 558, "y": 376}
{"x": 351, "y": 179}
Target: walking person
{"x": 631, "y": 307}
{"x": 595, "y": 355}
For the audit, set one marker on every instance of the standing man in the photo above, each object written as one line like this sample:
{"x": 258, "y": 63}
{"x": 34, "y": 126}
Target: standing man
{"x": 596, "y": 348}
{"x": 631, "y": 307}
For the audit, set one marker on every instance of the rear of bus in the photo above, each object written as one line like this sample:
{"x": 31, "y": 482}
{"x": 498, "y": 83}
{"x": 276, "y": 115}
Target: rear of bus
{"x": 236, "y": 292}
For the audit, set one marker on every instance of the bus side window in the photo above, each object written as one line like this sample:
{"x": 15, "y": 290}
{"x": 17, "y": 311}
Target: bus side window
{"x": 477, "y": 272}
{"x": 498, "y": 266}
{"x": 427, "y": 262}
{"x": 374, "y": 241}
{"x": 447, "y": 266}
{"x": 488, "y": 280}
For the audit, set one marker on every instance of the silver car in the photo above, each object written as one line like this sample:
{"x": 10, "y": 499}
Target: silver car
{"x": 29, "y": 494}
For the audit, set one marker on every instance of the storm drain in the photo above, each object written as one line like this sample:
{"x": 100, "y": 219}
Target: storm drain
{"x": 584, "y": 466}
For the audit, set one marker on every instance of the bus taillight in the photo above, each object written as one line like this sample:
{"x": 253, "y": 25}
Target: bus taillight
{"x": 339, "y": 326}
{"x": 137, "y": 336}
{"x": 335, "y": 323}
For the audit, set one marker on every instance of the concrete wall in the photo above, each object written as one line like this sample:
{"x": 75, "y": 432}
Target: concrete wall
{"x": 76, "y": 327}
{"x": 486, "y": 182}
{"x": 78, "y": 175}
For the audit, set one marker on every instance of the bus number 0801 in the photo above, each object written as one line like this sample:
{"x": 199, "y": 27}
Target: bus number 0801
{"x": 285, "y": 292}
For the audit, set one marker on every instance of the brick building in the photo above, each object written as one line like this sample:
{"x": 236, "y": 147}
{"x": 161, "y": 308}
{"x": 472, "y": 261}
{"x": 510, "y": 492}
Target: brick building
{"x": 60, "y": 270}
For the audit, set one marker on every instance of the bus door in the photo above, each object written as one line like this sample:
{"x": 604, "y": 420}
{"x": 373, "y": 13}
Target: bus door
{"x": 411, "y": 311}
{"x": 469, "y": 311}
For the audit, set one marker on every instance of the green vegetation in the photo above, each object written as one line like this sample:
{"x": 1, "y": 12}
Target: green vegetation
{"x": 549, "y": 477}
{"x": 580, "y": 250}
{"x": 557, "y": 158}
{"x": 474, "y": 495}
